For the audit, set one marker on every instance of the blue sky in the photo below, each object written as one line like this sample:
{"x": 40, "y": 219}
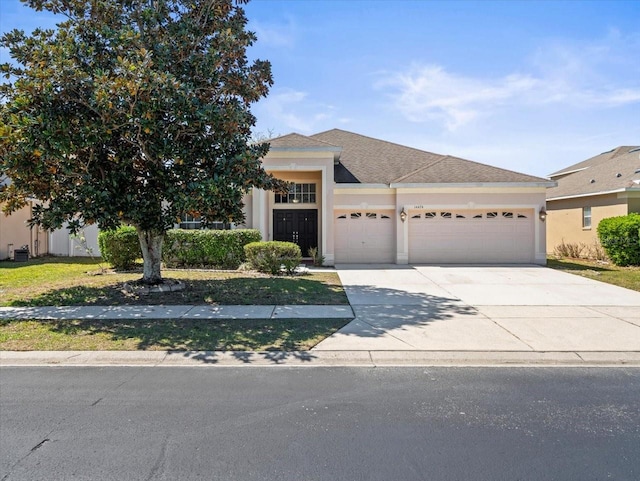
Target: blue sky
{"x": 531, "y": 86}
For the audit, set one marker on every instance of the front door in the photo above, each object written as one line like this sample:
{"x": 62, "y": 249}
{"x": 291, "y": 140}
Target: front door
{"x": 297, "y": 226}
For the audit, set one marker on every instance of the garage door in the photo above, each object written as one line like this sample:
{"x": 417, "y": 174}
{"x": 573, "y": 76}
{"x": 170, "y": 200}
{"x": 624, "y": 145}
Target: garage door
{"x": 364, "y": 236}
{"x": 471, "y": 236}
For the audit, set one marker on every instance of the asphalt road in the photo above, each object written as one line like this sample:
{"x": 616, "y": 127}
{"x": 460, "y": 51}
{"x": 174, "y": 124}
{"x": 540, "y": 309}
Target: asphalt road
{"x": 169, "y": 423}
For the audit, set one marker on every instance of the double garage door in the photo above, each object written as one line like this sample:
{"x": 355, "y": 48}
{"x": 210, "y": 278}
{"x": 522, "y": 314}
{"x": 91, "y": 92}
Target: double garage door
{"x": 471, "y": 236}
{"x": 437, "y": 236}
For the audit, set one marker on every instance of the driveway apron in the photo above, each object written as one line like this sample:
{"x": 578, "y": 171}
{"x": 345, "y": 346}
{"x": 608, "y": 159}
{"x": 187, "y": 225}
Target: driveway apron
{"x": 483, "y": 308}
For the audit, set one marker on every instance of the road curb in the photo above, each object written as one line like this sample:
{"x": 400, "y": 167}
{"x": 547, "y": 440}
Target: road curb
{"x": 318, "y": 358}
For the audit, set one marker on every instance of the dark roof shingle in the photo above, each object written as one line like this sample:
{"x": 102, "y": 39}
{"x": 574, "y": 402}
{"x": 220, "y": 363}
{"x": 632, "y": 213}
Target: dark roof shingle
{"x": 374, "y": 161}
{"x": 611, "y": 171}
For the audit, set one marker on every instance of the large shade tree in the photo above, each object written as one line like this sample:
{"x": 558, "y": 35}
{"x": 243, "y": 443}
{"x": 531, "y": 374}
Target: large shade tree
{"x": 132, "y": 111}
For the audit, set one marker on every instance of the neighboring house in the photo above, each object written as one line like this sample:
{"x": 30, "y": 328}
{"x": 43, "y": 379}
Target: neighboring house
{"x": 606, "y": 185}
{"x": 364, "y": 200}
{"x": 16, "y": 233}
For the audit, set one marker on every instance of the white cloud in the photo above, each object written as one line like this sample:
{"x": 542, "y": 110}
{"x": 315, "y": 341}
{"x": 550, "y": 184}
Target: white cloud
{"x": 599, "y": 75}
{"x": 281, "y": 35}
{"x": 431, "y": 93}
{"x": 293, "y": 110}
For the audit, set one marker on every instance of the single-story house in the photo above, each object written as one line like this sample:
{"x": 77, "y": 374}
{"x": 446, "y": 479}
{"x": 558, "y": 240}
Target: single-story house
{"x": 606, "y": 185}
{"x": 364, "y": 200}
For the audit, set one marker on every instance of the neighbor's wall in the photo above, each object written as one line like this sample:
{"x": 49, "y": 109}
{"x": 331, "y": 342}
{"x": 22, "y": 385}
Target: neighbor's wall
{"x": 564, "y": 218}
{"x": 14, "y": 230}
{"x": 64, "y": 244}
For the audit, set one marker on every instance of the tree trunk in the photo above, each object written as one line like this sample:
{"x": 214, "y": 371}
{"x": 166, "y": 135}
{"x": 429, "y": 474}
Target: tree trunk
{"x": 151, "y": 245}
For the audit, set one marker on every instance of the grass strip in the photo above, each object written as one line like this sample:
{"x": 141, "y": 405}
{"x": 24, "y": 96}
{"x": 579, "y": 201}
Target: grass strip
{"x": 628, "y": 277}
{"x": 162, "y": 334}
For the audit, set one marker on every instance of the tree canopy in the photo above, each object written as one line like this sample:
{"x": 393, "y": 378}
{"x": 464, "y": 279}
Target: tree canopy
{"x": 133, "y": 111}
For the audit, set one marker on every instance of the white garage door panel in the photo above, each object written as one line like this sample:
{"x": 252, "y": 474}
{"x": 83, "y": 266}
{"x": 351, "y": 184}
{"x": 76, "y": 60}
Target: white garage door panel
{"x": 504, "y": 236}
{"x": 364, "y": 237}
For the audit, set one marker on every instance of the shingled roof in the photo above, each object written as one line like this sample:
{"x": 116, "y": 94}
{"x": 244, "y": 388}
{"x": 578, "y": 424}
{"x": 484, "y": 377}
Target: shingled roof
{"x": 611, "y": 171}
{"x": 372, "y": 161}
{"x": 295, "y": 141}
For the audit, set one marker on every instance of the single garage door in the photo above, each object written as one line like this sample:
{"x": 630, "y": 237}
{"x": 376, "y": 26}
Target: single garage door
{"x": 364, "y": 236}
{"x": 471, "y": 236}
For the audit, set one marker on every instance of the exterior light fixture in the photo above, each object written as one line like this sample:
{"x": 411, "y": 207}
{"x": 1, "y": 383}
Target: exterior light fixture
{"x": 542, "y": 214}
{"x": 403, "y": 215}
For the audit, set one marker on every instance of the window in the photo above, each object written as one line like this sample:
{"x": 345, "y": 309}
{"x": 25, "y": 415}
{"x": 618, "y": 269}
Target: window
{"x": 429, "y": 215}
{"x": 586, "y": 217}
{"x": 477, "y": 216}
{"x": 298, "y": 194}
{"x": 355, "y": 215}
{"x": 417, "y": 216}
{"x": 507, "y": 215}
{"x": 492, "y": 215}
{"x": 188, "y": 221}
{"x": 460, "y": 216}
{"x": 372, "y": 215}
{"x": 343, "y": 216}
{"x": 445, "y": 215}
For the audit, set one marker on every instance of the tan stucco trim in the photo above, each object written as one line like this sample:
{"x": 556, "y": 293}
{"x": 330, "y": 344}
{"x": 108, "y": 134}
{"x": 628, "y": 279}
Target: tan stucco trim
{"x": 362, "y": 189}
{"x": 297, "y": 154}
{"x": 468, "y": 187}
{"x": 461, "y": 189}
{"x": 364, "y": 206}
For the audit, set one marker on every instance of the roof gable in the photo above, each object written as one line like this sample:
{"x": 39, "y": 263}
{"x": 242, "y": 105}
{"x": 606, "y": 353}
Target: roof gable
{"x": 294, "y": 141}
{"x": 611, "y": 171}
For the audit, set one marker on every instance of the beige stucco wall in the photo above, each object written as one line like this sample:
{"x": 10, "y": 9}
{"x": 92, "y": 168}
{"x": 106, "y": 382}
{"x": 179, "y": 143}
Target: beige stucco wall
{"x": 14, "y": 230}
{"x": 299, "y": 167}
{"x": 564, "y": 218}
{"x": 529, "y": 199}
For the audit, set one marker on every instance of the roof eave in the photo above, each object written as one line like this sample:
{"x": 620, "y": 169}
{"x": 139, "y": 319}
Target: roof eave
{"x": 441, "y": 185}
{"x": 604, "y": 192}
{"x": 567, "y": 172}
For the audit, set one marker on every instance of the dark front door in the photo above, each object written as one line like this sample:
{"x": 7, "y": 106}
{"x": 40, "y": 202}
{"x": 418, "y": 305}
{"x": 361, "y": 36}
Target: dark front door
{"x": 298, "y": 226}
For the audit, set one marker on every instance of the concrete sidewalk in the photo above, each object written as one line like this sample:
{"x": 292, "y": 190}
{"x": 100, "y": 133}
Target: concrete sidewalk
{"x": 179, "y": 312}
{"x": 410, "y": 315}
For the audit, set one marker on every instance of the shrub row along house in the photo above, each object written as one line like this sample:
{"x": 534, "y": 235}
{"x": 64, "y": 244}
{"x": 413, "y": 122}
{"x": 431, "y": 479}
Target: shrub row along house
{"x": 364, "y": 200}
{"x": 607, "y": 185}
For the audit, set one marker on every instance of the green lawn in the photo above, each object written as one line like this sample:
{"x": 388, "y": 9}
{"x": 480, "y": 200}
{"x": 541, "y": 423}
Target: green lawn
{"x": 628, "y": 277}
{"x": 77, "y": 281}
{"x": 183, "y": 334}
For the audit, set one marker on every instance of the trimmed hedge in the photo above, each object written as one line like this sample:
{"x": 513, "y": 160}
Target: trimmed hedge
{"x": 120, "y": 247}
{"x": 271, "y": 256}
{"x": 620, "y": 237}
{"x": 221, "y": 249}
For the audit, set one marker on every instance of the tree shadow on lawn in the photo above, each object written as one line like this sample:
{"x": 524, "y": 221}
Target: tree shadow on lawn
{"x": 234, "y": 291}
{"x": 246, "y": 341}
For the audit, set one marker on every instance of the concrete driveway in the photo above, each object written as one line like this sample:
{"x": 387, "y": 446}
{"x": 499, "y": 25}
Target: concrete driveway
{"x": 477, "y": 308}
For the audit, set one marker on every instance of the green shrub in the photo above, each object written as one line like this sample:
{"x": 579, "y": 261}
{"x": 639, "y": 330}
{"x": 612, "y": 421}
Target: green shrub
{"x": 120, "y": 247}
{"x": 221, "y": 249}
{"x": 271, "y": 256}
{"x": 620, "y": 237}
